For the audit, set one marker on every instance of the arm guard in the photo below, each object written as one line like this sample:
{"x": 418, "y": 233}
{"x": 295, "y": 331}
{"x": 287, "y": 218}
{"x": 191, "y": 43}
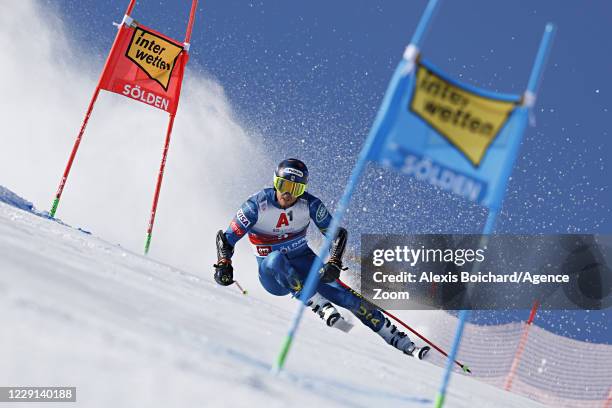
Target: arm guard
{"x": 338, "y": 246}
{"x": 224, "y": 249}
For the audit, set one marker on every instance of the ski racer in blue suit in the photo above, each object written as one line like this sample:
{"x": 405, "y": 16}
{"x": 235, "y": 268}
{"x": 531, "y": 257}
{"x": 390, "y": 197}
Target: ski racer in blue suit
{"x": 276, "y": 221}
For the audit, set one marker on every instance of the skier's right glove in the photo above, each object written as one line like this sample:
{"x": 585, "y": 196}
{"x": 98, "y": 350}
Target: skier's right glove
{"x": 224, "y": 272}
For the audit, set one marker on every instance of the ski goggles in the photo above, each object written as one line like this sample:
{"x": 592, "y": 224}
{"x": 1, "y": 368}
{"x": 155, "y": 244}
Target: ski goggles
{"x": 287, "y": 186}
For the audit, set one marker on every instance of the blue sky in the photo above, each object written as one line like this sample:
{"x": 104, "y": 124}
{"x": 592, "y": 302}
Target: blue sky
{"x": 308, "y": 77}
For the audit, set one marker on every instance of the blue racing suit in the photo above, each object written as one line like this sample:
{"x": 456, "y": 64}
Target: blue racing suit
{"x": 278, "y": 237}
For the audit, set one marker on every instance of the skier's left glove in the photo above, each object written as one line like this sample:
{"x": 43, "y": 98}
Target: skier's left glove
{"x": 224, "y": 272}
{"x": 330, "y": 271}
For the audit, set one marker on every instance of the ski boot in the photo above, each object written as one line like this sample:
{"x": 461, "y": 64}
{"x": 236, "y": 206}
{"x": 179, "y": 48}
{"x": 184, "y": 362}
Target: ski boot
{"x": 401, "y": 341}
{"x": 328, "y": 313}
{"x": 323, "y": 307}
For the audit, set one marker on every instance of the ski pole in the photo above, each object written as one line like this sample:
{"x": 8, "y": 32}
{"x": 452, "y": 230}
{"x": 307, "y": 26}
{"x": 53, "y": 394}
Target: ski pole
{"x": 244, "y": 292}
{"x": 464, "y": 367}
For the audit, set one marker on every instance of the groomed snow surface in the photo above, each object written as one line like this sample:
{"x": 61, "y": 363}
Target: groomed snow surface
{"x": 128, "y": 331}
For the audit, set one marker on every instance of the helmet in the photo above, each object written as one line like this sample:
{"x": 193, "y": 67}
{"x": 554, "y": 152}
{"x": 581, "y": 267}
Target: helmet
{"x": 291, "y": 176}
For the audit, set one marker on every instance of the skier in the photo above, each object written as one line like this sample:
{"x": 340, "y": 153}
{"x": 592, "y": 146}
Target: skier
{"x": 276, "y": 220}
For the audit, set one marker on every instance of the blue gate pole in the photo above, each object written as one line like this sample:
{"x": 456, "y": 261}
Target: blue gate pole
{"x": 463, "y": 317}
{"x": 428, "y": 14}
{"x": 538, "y": 66}
{"x": 313, "y": 275}
{"x": 534, "y": 80}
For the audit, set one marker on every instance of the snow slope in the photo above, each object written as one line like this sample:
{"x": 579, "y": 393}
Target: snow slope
{"x": 128, "y": 331}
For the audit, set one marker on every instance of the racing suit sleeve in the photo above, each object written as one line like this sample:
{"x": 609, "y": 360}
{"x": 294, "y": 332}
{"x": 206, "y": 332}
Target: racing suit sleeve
{"x": 319, "y": 214}
{"x": 322, "y": 218}
{"x": 243, "y": 221}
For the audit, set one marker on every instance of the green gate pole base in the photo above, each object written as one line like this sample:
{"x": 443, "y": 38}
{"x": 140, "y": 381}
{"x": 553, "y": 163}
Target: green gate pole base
{"x": 439, "y": 401}
{"x": 282, "y": 356}
{"x": 54, "y": 207}
{"x": 147, "y": 244}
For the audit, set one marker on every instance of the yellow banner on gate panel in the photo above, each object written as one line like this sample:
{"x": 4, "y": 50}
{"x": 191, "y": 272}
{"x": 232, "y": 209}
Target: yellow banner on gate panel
{"x": 154, "y": 55}
{"x": 470, "y": 122}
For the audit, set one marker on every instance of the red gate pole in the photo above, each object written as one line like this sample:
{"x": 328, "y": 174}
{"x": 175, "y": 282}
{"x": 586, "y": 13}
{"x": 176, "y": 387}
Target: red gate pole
{"x": 521, "y": 346}
{"x": 194, "y": 6}
{"x": 75, "y": 147}
{"x": 160, "y": 175}
{"x": 77, "y": 142}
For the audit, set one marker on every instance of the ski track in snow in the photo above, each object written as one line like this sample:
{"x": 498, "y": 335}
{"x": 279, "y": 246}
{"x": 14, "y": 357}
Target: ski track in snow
{"x": 129, "y": 331}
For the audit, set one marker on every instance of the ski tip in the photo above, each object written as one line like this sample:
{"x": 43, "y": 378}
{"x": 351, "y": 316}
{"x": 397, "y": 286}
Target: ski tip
{"x": 423, "y": 352}
{"x": 466, "y": 369}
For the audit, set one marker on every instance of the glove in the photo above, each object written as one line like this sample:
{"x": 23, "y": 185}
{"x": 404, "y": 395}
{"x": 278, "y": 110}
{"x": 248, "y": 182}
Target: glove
{"x": 224, "y": 272}
{"x": 330, "y": 272}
